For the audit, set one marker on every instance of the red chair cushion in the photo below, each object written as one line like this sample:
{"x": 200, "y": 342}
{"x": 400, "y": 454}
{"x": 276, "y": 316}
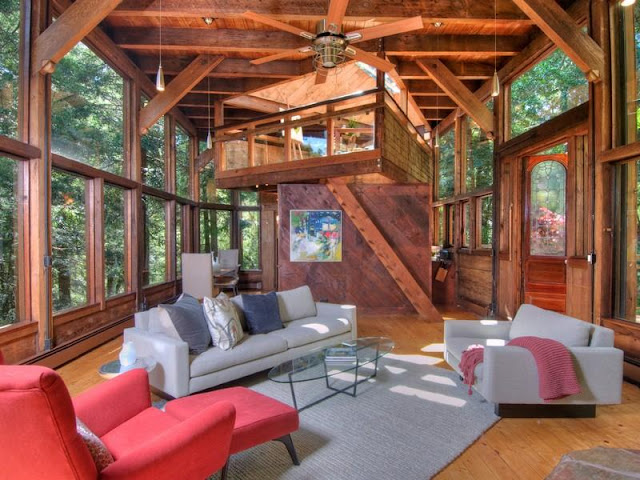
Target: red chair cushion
{"x": 259, "y": 418}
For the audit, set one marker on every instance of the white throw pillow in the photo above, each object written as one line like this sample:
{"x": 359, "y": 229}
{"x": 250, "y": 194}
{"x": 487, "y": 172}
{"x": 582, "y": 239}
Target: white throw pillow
{"x": 160, "y": 322}
{"x": 223, "y": 322}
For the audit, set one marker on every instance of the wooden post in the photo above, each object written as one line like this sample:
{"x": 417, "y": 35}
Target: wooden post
{"x": 218, "y": 147}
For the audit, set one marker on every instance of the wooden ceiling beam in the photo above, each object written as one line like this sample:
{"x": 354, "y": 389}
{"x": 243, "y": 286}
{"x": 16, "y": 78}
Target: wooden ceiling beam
{"x": 176, "y": 89}
{"x": 235, "y": 86}
{"x": 459, "y": 93}
{"x": 427, "y": 88}
{"x": 286, "y": 10}
{"x": 230, "y": 67}
{"x": 69, "y": 28}
{"x": 435, "y": 103}
{"x": 451, "y": 45}
{"x": 198, "y": 100}
{"x": 255, "y": 103}
{"x": 463, "y": 70}
{"x": 558, "y": 25}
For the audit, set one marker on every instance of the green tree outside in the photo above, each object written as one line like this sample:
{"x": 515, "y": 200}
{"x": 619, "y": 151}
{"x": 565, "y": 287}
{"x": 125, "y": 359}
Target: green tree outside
{"x": 9, "y": 66}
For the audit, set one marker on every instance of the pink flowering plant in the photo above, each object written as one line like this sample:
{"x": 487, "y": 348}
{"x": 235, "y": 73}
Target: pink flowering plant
{"x": 547, "y": 233}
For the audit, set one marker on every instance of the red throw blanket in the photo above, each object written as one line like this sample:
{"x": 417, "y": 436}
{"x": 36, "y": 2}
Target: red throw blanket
{"x": 556, "y": 374}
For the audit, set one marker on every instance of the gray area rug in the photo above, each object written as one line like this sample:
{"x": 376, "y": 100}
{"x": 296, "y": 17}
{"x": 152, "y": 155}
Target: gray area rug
{"x": 408, "y": 423}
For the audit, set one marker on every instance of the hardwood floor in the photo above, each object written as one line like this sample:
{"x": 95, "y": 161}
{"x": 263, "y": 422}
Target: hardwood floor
{"x": 512, "y": 449}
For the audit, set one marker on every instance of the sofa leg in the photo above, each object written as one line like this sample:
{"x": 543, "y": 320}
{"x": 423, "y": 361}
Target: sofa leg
{"x": 288, "y": 442}
{"x": 508, "y": 410}
{"x": 225, "y": 469}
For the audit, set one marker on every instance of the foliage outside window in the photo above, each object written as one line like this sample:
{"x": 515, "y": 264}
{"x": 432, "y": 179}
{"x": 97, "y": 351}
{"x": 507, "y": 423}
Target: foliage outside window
{"x": 69, "y": 241}
{"x": 155, "y": 258}
{"x": 479, "y": 157}
{"x": 439, "y": 225}
{"x": 215, "y": 230}
{"x": 250, "y": 238}
{"x": 114, "y": 241}
{"x": 208, "y": 191}
{"x": 446, "y": 164}
{"x": 179, "y": 246}
{"x": 87, "y": 118}
{"x": 8, "y": 241}
{"x": 249, "y": 199}
{"x": 182, "y": 163}
{"x": 152, "y": 149}
{"x": 486, "y": 221}
{"x": 9, "y": 67}
{"x": 451, "y": 221}
{"x": 466, "y": 224}
{"x": 550, "y": 88}
{"x": 629, "y": 71}
{"x": 547, "y": 228}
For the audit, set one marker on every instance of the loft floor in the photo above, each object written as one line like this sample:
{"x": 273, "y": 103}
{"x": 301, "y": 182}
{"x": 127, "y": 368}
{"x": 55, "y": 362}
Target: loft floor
{"x": 512, "y": 449}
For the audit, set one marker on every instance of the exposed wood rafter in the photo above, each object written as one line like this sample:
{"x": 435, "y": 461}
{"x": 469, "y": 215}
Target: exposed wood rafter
{"x": 385, "y": 252}
{"x": 68, "y": 29}
{"x": 176, "y": 89}
{"x": 460, "y": 94}
{"x": 558, "y": 25}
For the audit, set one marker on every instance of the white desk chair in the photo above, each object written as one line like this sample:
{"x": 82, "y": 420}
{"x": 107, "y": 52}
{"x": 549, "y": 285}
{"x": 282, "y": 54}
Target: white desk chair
{"x": 228, "y": 260}
{"x": 197, "y": 275}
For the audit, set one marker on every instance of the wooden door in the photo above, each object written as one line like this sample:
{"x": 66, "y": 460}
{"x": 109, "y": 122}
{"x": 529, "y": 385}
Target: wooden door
{"x": 545, "y": 236}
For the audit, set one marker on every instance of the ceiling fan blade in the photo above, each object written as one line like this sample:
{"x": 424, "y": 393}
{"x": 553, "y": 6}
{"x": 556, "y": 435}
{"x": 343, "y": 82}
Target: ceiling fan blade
{"x": 337, "y": 10}
{"x": 393, "y": 28}
{"x": 285, "y": 54}
{"x": 369, "y": 58}
{"x": 321, "y": 76}
{"x": 256, "y": 17}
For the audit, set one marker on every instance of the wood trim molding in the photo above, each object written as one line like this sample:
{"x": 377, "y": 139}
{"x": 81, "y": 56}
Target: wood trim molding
{"x": 625, "y": 152}
{"x": 17, "y": 148}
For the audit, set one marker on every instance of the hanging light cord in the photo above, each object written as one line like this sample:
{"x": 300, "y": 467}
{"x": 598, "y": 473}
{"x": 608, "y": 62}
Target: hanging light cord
{"x": 495, "y": 35}
{"x": 208, "y": 105}
{"x": 160, "y": 64}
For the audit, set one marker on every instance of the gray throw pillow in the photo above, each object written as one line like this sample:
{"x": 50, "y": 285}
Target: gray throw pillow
{"x": 262, "y": 313}
{"x": 187, "y": 316}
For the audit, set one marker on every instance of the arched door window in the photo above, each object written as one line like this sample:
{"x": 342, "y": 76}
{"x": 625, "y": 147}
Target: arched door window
{"x": 547, "y": 209}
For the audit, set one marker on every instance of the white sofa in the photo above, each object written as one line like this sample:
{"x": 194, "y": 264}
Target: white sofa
{"x": 308, "y": 325}
{"x": 508, "y": 375}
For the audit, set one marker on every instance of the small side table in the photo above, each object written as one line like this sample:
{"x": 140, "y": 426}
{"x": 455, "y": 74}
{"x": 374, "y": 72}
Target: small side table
{"x": 113, "y": 369}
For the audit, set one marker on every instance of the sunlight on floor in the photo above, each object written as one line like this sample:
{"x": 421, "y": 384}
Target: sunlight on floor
{"x": 415, "y": 359}
{"x": 439, "y": 379}
{"x": 429, "y": 396}
{"x": 395, "y": 370}
{"x": 433, "y": 348}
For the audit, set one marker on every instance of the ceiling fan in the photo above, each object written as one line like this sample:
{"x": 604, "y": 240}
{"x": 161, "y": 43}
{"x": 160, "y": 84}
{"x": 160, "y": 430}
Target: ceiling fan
{"x": 330, "y": 46}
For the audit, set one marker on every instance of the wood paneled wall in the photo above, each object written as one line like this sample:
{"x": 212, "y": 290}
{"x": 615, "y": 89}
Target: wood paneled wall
{"x": 401, "y": 212}
{"x": 474, "y": 275}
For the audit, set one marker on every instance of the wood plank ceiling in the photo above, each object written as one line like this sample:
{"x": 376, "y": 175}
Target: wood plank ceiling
{"x": 464, "y": 43}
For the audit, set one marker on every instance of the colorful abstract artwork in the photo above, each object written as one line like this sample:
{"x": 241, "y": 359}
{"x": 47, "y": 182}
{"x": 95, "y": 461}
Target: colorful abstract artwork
{"x": 316, "y": 236}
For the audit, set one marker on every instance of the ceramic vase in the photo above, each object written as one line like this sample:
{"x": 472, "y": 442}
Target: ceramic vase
{"x": 127, "y": 354}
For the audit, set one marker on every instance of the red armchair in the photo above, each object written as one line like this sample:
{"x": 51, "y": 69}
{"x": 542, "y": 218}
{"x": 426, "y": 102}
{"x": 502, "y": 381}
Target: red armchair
{"x": 38, "y": 428}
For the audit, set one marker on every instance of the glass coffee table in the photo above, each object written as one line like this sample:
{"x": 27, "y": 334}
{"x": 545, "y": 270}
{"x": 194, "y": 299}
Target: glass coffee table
{"x": 326, "y": 362}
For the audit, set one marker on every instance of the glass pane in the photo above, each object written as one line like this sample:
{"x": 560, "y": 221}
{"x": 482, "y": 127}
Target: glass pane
{"x": 215, "y": 230}
{"x": 155, "y": 261}
{"x": 250, "y": 237}
{"x": 69, "y": 242}
{"x": 479, "y": 157}
{"x": 466, "y": 224}
{"x": 451, "y": 224}
{"x": 355, "y": 133}
{"x": 446, "y": 164}
{"x": 236, "y": 152}
{"x": 439, "y": 213}
{"x": 308, "y": 142}
{"x": 8, "y": 241}
{"x": 9, "y": 67}
{"x": 152, "y": 151}
{"x": 182, "y": 163}
{"x": 87, "y": 119}
{"x": 208, "y": 191}
{"x": 179, "y": 246}
{"x": 636, "y": 36}
{"x": 547, "y": 209}
{"x": 268, "y": 148}
{"x": 486, "y": 221}
{"x": 114, "y": 241}
{"x": 552, "y": 87}
{"x": 249, "y": 199}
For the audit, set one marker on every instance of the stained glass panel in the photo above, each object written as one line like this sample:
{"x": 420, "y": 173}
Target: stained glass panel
{"x": 547, "y": 211}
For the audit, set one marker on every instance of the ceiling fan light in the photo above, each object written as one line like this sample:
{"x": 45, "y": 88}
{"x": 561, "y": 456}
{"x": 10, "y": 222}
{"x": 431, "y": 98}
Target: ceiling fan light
{"x": 209, "y": 140}
{"x": 495, "y": 85}
{"x": 436, "y": 141}
{"x": 307, "y": 35}
{"x": 627, "y": 3}
{"x": 353, "y": 36}
{"x": 160, "y": 79}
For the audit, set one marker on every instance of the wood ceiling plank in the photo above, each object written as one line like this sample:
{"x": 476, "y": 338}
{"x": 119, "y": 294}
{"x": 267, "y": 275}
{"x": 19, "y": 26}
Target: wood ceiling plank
{"x": 447, "y": 45}
{"x": 69, "y": 28}
{"x": 337, "y": 11}
{"x": 427, "y": 88}
{"x": 255, "y": 103}
{"x": 176, "y": 89}
{"x": 221, "y": 86}
{"x": 460, "y": 94}
{"x": 393, "y": 28}
{"x": 435, "y": 103}
{"x": 558, "y": 25}
{"x": 463, "y": 70}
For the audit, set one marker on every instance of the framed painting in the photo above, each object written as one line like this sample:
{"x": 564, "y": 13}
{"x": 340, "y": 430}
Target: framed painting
{"x": 315, "y": 236}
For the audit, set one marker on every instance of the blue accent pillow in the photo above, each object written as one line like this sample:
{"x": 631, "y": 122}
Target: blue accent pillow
{"x": 262, "y": 313}
{"x": 187, "y": 316}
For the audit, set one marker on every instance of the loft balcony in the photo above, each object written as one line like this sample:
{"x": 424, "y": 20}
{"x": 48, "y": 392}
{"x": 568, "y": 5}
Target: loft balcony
{"x": 362, "y": 134}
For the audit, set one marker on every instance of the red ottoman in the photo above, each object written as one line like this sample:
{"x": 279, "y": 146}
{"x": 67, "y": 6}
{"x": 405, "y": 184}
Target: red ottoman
{"x": 259, "y": 418}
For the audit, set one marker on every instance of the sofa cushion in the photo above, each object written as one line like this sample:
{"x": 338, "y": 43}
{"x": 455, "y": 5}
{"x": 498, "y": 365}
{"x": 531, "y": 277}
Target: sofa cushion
{"x": 309, "y": 330}
{"x": 222, "y": 320}
{"x": 296, "y": 304}
{"x": 261, "y": 312}
{"x": 188, "y": 319}
{"x": 160, "y": 322}
{"x": 457, "y": 345}
{"x": 251, "y": 347}
{"x": 532, "y": 321}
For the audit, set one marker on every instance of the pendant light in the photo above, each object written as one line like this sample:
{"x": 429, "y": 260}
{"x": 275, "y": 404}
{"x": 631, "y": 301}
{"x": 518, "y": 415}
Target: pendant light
{"x": 495, "y": 81}
{"x": 627, "y": 3}
{"x": 209, "y": 139}
{"x": 160, "y": 74}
